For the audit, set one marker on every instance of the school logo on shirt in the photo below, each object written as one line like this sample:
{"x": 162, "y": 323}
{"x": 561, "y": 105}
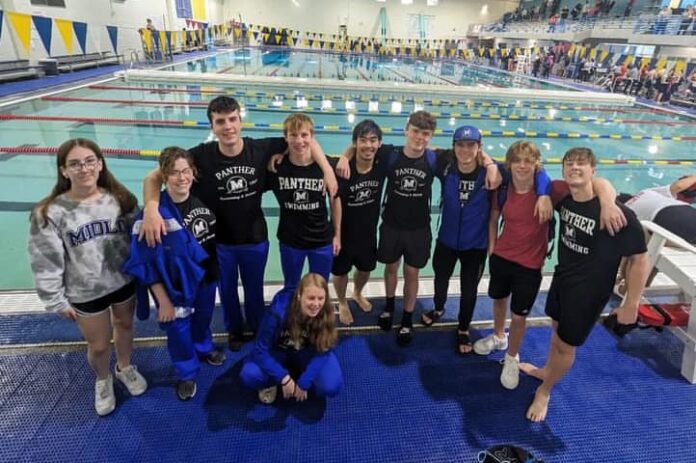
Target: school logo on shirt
{"x": 236, "y": 185}
{"x": 300, "y": 196}
{"x": 409, "y": 184}
{"x": 199, "y": 228}
{"x": 363, "y": 195}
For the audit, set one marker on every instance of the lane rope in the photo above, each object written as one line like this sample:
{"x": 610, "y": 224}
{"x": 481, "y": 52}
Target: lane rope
{"x": 344, "y": 129}
{"x": 149, "y": 153}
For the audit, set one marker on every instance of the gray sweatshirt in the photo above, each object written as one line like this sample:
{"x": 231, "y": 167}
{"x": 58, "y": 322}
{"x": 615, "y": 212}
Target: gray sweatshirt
{"x": 77, "y": 256}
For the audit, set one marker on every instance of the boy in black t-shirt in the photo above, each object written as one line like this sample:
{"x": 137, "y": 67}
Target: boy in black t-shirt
{"x": 304, "y": 228}
{"x": 231, "y": 179}
{"x": 361, "y": 198}
{"x": 588, "y": 259}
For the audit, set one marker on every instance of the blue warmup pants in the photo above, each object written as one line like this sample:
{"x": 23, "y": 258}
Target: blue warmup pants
{"x": 292, "y": 261}
{"x": 189, "y": 337}
{"x": 327, "y": 383}
{"x": 247, "y": 261}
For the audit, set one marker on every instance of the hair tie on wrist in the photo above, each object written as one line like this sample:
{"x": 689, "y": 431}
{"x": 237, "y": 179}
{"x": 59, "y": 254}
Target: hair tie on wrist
{"x": 286, "y": 382}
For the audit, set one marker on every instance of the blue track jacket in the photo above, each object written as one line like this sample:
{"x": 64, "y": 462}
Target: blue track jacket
{"x": 176, "y": 262}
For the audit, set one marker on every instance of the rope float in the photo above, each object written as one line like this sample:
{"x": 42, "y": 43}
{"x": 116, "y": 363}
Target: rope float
{"x": 381, "y": 99}
{"x": 520, "y": 133}
{"x": 149, "y": 153}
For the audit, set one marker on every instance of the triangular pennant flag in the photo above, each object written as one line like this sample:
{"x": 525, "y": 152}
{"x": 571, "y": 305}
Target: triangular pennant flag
{"x": 44, "y": 26}
{"x": 22, "y": 27}
{"x": 321, "y": 44}
{"x": 113, "y": 36}
{"x": 163, "y": 40}
{"x": 147, "y": 39}
{"x": 66, "y": 32}
{"x": 1, "y": 12}
{"x": 81, "y": 34}
{"x": 170, "y": 35}
{"x": 256, "y": 35}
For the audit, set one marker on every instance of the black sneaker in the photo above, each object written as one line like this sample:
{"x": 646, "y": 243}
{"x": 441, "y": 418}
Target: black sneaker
{"x": 186, "y": 390}
{"x": 235, "y": 341}
{"x": 404, "y": 336}
{"x": 385, "y": 320}
{"x": 215, "y": 358}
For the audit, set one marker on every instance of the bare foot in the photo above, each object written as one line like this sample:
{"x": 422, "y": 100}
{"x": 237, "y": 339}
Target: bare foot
{"x": 532, "y": 370}
{"x": 344, "y": 314}
{"x": 540, "y": 405}
{"x": 363, "y": 303}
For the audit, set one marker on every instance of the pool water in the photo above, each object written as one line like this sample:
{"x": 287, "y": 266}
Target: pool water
{"x": 639, "y": 147}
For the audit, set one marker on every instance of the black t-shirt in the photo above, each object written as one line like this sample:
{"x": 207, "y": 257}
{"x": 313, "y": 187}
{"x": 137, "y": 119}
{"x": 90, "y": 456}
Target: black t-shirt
{"x": 361, "y": 200}
{"x": 232, "y": 187}
{"x": 590, "y": 257}
{"x": 409, "y": 187}
{"x": 200, "y": 221}
{"x": 304, "y": 220}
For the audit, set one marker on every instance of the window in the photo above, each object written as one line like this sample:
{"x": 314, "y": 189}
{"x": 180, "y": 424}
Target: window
{"x": 183, "y": 9}
{"x": 56, "y": 3}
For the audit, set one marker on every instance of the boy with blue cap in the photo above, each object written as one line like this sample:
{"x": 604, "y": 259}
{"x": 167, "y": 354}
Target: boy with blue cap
{"x": 463, "y": 233}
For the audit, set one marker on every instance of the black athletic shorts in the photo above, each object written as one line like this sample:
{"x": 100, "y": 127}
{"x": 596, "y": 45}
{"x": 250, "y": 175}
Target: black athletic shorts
{"x": 361, "y": 255}
{"x": 509, "y": 277}
{"x": 680, "y": 220}
{"x": 98, "y": 306}
{"x": 576, "y": 309}
{"x": 413, "y": 245}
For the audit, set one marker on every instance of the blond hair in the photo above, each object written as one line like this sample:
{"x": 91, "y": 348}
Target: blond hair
{"x": 295, "y": 122}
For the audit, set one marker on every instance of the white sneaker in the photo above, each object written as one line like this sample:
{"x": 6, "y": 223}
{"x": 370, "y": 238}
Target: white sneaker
{"x": 104, "y": 398}
{"x": 268, "y": 395}
{"x": 510, "y": 377}
{"x": 485, "y": 346}
{"x": 134, "y": 381}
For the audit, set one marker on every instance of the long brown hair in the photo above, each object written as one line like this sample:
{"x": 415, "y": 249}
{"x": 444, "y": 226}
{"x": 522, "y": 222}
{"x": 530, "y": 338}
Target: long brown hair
{"x": 320, "y": 329}
{"x": 126, "y": 200}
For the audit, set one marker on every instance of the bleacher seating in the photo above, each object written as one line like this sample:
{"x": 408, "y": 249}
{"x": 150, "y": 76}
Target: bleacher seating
{"x": 18, "y": 69}
{"x": 69, "y": 63}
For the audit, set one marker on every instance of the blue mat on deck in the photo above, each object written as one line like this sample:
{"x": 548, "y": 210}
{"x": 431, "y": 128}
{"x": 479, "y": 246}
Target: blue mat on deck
{"x": 623, "y": 401}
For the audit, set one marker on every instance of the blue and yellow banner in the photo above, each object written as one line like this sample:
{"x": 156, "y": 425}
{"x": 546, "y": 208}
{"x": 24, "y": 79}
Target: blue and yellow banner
{"x": 44, "y": 26}
{"x": 113, "y": 36}
{"x": 21, "y": 23}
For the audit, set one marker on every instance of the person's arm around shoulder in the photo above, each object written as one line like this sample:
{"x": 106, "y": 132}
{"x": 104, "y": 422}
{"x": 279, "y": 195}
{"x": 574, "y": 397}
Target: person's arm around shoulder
{"x": 493, "y": 177}
{"x": 343, "y": 164}
{"x": 543, "y": 209}
{"x": 611, "y": 217}
{"x": 330, "y": 183}
{"x": 153, "y": 225}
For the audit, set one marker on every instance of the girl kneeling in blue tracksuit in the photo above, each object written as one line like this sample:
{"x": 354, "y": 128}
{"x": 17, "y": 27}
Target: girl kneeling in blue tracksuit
{"x": 294, "y": 345}
{"x": 182, "y": 271}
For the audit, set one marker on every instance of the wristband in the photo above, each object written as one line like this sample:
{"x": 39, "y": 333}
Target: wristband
{"x": 286, "y": 382}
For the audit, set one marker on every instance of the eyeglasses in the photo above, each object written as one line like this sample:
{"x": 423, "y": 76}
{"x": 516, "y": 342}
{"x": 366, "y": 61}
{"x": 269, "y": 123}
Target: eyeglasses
{"x": 188, "y": 172}
{"x": 76, "y": 166}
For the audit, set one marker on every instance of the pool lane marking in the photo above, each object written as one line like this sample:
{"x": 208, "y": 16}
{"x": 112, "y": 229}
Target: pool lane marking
{"x": 333, "y": 128}
{"x": 265, "y": 107}
{"x": 442, "y": 102}
{"x": 144, "y": 154}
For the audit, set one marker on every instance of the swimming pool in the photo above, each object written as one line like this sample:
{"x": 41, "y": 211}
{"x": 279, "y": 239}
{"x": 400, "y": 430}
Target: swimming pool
{"x": 639, "y": 147}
